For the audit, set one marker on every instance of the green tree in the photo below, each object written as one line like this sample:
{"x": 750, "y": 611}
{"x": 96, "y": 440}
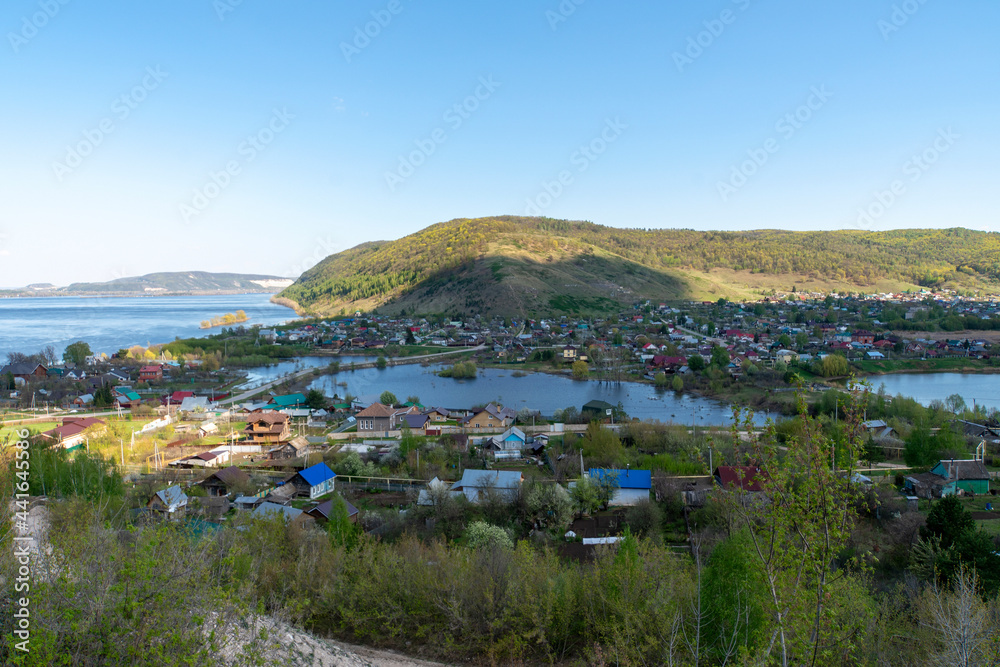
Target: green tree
{"x": 482, "y": 535}
{"x": 948, "y": 520}
{"x": 677, "y": 384}
{"x": 920, "y": 448}
{"x": 339, "y": 527}
{"x": 380, "y": 363}
{"x": 660, "y": 380}
{"x": 77, "y": 353}
{"x": 720, "y": 356}
{"x": 315, "y": 400}
{"x": 410, "y": 339}
{"x": 387, "y": 398}
{"x": 581, "y": 371}
{"x": 734, "y": 588}
{"x": 696, "y": 362}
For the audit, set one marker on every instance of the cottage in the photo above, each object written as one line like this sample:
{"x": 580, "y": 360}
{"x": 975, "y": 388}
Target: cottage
{"x": 314, "y": 481}
{"x": 288, "y": 401}
{"x": 477, "y": 484}
{"x": 24, "y": 371}
{"x": 150, "y": 373}
{"x": 72, "y": 433}
{"x": 170, "y": 502}
{"x": 266, "y": 428}
{"x": 508, "y": 444}
{"x": 950, "y": 477}
{"x": 631, "y": 487}
{"x": 294, "y": 448}
{"x": 492, "y": 416}
{"x": 224, "y": 482}
{"x": 322, "y": 511}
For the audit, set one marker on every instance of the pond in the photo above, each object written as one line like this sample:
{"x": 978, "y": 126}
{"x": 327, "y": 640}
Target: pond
{"x": 536, "y": 391}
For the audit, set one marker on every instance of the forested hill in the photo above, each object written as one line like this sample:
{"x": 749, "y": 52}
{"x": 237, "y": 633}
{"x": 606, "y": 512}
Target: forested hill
{"x": 533, "y": 266}
{"x": 183, "y": 282}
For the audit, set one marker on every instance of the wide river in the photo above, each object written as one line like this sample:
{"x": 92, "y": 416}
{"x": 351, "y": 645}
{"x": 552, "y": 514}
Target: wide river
{"x": 976, "y": 389}
{"x": 111, "y": 323}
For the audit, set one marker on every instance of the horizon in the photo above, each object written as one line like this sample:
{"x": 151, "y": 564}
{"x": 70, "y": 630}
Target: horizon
{"x": 150, "y": 138}
{"x": 714, "y": 231}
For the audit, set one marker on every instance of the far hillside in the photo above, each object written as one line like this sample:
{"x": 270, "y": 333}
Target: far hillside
{"x": 536, "y": 266}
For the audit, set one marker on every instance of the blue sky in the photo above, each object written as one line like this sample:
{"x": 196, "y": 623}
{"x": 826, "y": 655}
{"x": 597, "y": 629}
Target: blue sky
{"x": 261, "y": 136}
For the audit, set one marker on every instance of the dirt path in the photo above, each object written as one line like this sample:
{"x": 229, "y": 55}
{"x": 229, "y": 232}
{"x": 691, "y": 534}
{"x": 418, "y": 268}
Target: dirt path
{"x": 380, "y": 658}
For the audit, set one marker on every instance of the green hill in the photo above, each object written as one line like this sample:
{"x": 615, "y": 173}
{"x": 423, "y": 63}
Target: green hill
{"x": 533, "y": 266}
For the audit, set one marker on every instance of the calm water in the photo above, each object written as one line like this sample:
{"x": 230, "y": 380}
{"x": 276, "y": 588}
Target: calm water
{"x": 925, "y": 387}
{"x": 109, "y": 324}
{"x": 264, "y": 374}
{"x": 537, "y": 391}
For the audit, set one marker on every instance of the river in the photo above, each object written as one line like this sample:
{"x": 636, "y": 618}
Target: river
{"x": 108, "y": 324}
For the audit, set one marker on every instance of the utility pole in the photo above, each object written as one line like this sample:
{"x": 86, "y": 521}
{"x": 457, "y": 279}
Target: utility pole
{"x": 121, "y": 442}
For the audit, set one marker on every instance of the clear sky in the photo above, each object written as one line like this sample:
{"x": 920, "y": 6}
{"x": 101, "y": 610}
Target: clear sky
{"x": 260, "y": 136}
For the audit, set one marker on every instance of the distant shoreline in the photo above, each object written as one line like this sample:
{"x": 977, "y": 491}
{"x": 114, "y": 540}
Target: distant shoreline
{"x": 124, "y": 295}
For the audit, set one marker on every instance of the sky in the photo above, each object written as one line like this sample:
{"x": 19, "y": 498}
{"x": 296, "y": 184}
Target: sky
{"x": 261, "y": 136}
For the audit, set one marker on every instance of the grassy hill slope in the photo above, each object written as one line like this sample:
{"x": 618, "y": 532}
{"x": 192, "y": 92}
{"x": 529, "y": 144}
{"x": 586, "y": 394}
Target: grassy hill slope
{"x": 532, "y": 266}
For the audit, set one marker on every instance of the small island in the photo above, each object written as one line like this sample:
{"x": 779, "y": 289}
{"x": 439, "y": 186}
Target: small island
{"x": 229, "y": 318}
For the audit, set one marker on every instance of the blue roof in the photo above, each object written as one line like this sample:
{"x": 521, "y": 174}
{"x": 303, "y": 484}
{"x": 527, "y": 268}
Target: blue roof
{"x": 625, "y": 479}
{"x": 317, "y": 474}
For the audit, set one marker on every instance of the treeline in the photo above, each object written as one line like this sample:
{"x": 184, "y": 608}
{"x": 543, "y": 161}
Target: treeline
{"x": 925, "y": 257}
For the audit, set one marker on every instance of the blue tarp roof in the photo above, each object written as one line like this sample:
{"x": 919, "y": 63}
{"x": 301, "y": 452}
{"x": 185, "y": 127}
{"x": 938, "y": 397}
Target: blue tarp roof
{"x": 317, "y": 474}
{"x": 625, "y": 479}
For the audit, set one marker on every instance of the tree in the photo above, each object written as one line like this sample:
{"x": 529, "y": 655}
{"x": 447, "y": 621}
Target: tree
{"x": 797, "y": 528}
{"x": 381, "y": 363}
{"x": 833, "y": 365}
{"x": 921, "y": 448}
{"x": 388, "y": 398}
{"x": 586, "y": 496}
{"x": 948, "y": 521}
{"x": 77, "y": 353}
{"x": 696, "y": 362}
{"x": 581, "y": 371}
{"x": 720, "y": 356}
{"x": 660, "y": 380}
{"x": 410, "y": 339}
{"x": 677, "y": 384}
{"x": 413, "y": 398}
{"x": 315, "y": 400}
{"x": 482, "y": 535}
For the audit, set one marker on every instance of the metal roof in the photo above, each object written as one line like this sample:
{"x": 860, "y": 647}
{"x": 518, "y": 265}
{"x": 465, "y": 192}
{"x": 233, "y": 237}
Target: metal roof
{"x": 317, "y": 474}
{"x": 624, "y": 479}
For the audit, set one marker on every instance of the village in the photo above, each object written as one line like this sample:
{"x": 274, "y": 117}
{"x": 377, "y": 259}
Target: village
{"x": 184, "y": 423}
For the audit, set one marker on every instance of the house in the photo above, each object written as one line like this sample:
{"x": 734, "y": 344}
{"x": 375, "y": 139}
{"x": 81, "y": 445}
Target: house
{"x": 71, "y": 433}
{"x": 478, "y": 484}
{"x": 314, "y": 481}
{"x": 267, "y": 510}
{"x": 492, "y": 416}
{"x": 747, "y": 478}
{"x": 288, "y": 401}
{"x": 438, "y": 415}
{"x": 127, "y": 398}
{"x": 570, "y": 353}
{"x": 24, "y": 371}
{"x": 150, "y": 373}
{"x": 597, "y": 410}
{"x": 294, "y": 448}
{"x": 192, "y": 404}
{"x": 630, "y": 486}
{"x": 210, "y": 459}
{"x": 207, "y": 429}
{"x": 170, "y": 502}
{"x": 267, "y": 428}
{"x": 322, "y": 511}
{"x": 962, "y": 476}
{"x": 416, "y": 422}
{"x": 376, "y": 418}
{"x": 221, "y": 483}
{"x": 863, "y": 338}
{"x": 83, "y": 400}
{"x": 878, "y": 430}
{"x": 510, "y": 442}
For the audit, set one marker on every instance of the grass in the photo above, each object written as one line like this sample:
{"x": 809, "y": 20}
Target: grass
{"x": 35, "y": 427}
{"x": 921, "y": 365}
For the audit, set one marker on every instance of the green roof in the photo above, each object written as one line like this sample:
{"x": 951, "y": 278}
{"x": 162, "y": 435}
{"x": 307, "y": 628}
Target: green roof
{"x": 288, "y": 400}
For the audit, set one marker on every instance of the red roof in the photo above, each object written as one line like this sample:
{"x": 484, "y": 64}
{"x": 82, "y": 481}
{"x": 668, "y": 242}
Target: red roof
{"x": 744, "y": 477}
{"x": 150, "y": 369}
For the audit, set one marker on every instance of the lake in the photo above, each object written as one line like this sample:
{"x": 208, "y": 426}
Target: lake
{"x": 537, "y": 391}
{"x": 111, "y": 323}
{"x": 974, "y": 388}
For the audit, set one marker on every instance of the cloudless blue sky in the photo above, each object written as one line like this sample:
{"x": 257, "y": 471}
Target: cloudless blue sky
{"x": 558, "y": 81}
